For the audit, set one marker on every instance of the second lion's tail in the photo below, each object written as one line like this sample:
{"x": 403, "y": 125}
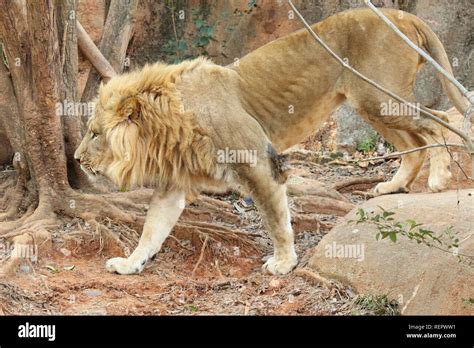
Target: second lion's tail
{"x": 433, "y": 45}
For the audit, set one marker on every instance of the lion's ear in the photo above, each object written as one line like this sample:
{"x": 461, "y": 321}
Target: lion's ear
{"x": 130, "y": 109}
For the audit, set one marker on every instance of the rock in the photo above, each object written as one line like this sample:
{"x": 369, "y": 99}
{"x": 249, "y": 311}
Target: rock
{"x": 65, "y": 252}
{"x": 351, "y": 129}
{"x": 425, "y": 280}
{"x": 24, "y": 268}
{"x": 92, "y": 292}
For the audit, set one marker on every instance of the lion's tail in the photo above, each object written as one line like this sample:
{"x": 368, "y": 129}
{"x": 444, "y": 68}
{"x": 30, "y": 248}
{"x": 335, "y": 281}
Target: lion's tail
{"x": 433, "y": 45}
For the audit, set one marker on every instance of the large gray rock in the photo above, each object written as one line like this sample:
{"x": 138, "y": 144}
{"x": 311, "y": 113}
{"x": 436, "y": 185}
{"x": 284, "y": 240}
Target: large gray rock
{"x": 351, "y": 129}
{"x": 423, "y": 279}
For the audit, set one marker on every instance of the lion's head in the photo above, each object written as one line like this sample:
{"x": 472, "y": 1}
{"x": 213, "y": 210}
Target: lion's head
{"x": 141, "y": 136}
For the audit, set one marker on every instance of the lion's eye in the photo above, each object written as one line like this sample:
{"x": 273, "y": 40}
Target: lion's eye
{"x": 94, "y": 135}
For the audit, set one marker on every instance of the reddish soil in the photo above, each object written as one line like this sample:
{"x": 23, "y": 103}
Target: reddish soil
{"x": 70, "y": 277}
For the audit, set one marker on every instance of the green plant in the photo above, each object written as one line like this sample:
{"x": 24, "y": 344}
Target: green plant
{"x": 193, "y": 308}
{"x": 368, "y": 144}
{"x": 176, "y": 51}
{"x": 377, "y": 305}
{"x": 204, "y": 32}
{"x": 469, "y": 301}
{"x": 389, "y": 228}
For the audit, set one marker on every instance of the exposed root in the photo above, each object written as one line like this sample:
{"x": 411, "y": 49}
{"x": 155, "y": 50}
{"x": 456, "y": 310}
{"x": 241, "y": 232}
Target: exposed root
{"x": 308, "y": 222}
{"x": 364, "y": 194}
{"x": 321, "y": 205}
{"x": 358, "y": 181}
{"x": 211, "y": 209}
{"x": 25, "y": 247}
{"x": 41, "y": 217}
{"x": 298, "y": 186}
{"x": 314, "y": 277}
{"x": 99, "y": 207}
{"x": 117, "y": 219}
{"x": 201, "y": 255}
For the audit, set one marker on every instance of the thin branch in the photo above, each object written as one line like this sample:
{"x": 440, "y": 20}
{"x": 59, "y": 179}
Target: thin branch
{"x": 174, "y": 30}
{"x": 93, "y": 54}
{"x": 401, "y": 153}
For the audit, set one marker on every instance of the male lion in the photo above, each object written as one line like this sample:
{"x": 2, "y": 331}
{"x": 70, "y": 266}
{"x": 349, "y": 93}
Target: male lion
{"x": 163, "y": 126}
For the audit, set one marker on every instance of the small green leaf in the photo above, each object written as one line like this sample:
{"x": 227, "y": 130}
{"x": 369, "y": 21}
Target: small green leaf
{"x": 193, "y": 308}
{"x": 207, "y": 31}
{"x": 202, "y": 41}
{"x": 182, "y": 46}
{"x": 52, "y": 269}
{"x": 69, "y": 268}
{"x": 393, "y": 236}
{"x": 199, "y": 23}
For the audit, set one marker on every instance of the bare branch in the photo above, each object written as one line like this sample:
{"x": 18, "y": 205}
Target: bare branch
{"x": 93, "y": 54}
{"x": 118, "y": 30}
{"x": 401, "y": 153}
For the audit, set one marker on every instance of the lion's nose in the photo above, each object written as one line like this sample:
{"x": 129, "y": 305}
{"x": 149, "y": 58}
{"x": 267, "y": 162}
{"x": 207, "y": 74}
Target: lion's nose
{"x": 77, "y": 157}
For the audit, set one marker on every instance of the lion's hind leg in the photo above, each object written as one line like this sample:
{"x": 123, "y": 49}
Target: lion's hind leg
{"x": 440, "y": 159}
{"x": 402, "y": 140}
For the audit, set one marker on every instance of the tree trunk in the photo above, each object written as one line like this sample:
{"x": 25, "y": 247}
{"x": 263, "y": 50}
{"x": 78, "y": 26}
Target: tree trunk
{"x": 9, "y": 123}
{"x": 66, "y": 24}
{"x": 40, "y": 47}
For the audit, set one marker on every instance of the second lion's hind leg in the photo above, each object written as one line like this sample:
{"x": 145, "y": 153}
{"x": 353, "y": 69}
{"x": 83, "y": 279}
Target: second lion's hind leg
{"x": 440, "y": 159}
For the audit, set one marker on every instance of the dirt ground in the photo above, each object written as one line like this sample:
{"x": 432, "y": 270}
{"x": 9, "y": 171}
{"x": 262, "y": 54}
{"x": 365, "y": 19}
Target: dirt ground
{"x": 196, "y": 276}
{"x": 224, "y": 277}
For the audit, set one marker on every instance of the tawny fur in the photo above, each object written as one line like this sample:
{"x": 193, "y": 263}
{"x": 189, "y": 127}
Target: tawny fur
{"x": 148, "y": 139}
{"x": 162, "y": 126}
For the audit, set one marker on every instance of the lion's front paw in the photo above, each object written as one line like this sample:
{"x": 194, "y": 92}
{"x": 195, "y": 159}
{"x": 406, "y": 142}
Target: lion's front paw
{"x": 123, "y": 266}
{"x": 280, "y": 266}
{"x": 385, "y": 188}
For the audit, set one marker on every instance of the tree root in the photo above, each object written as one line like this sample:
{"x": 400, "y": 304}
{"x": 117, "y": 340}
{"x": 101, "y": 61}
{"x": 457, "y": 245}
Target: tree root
{"x": 309, "y": 222}
{"x": 344, "y": 185}
{"x": 321, "y": 205}
{"x": 41, "y": 218}
{"x": 314, "y": 277}
{"x": 195, "y": 231}
{"x": 201, "y": 255}
{"x": 298, "y": 186}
